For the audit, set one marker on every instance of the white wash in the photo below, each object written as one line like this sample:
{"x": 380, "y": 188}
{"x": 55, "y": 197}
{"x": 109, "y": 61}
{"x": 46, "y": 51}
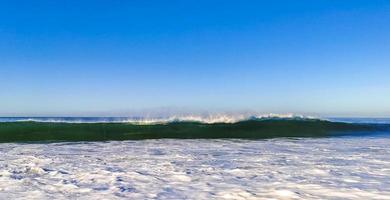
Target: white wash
{"x": 324, "y": 168}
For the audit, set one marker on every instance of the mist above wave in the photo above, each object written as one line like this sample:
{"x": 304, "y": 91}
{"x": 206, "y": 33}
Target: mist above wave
{"x": 207, "y": 119}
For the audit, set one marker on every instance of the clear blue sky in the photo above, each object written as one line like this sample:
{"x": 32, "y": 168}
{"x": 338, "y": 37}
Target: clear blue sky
{"x": 320, "y": 57}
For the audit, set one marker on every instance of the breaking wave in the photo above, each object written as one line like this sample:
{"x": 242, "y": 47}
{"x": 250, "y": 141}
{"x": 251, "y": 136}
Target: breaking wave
{"x": 244, "y": 127}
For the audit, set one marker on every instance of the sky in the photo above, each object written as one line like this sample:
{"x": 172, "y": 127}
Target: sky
{"x": 108, "y": 58}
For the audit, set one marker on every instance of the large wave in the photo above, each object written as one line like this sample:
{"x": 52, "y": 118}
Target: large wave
{"x": 183, "y": 128}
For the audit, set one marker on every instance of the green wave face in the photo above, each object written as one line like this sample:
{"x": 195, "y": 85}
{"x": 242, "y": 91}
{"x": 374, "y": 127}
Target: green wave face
{"x": 251, "y": 129}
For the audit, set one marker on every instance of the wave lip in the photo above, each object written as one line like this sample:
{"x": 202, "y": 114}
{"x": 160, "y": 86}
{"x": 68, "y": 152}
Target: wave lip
{"x": 207, "y": 119}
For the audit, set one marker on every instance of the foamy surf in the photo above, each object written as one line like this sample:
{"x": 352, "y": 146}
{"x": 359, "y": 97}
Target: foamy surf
{"x": 322, "y": 168}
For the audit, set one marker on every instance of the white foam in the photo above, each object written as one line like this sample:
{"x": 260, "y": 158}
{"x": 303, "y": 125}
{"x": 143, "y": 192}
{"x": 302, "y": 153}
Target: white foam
{"x": 325, "y": 168}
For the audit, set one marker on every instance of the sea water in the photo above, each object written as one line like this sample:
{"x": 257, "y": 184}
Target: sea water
{"x": 320, "y": 168}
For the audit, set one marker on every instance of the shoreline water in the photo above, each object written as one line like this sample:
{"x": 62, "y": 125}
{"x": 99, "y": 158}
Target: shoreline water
{"x": 308, "y": 168}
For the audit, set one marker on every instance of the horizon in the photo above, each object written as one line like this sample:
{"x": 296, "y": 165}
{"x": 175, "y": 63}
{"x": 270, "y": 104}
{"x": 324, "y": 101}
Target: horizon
{"x": 97, "y": 59}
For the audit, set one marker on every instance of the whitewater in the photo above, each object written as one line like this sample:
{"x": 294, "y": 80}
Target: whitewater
{"x": 323, "y": 168}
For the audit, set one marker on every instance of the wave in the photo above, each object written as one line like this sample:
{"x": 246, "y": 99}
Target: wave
{"x": 253, "y": 128}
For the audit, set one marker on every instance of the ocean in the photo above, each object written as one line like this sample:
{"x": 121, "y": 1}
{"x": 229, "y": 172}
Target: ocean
{"x": 255, "y": 158}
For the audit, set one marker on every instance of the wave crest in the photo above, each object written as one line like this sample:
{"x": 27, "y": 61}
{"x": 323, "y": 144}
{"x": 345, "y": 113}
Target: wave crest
{"x": 206, "y": 119}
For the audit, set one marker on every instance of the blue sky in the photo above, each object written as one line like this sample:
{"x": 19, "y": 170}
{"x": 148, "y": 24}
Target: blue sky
{"x": 327, "y": 58}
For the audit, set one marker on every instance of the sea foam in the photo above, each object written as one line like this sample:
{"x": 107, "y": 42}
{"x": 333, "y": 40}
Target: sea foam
{"x": 322, "y": 168}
